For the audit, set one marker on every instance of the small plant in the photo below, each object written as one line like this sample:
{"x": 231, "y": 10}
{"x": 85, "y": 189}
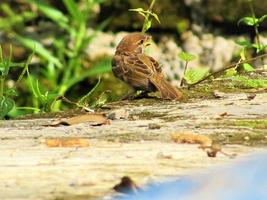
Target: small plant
{"x": 60, "y": 64}
{"x": 147, "y": 15}
{"x": 8, "y": 94}
{"x": 254, "y": 22}
{"x": 193, "y": 75}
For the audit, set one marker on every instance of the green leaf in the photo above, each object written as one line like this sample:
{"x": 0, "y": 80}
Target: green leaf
{"x": 230, "y": 72}
{"x": 259, "y": 47}
{"x": 50, "y": 12}
{"x": 5, "y": 63}
{"x": 248, "y": 68}
{"x": 86, "y": 98}
{"x": 74, "y": 11}
{"x": 140, "y": 10}
{"x": 249, "y": 21}
{"x": 262, "y": 18}
{"x": 186, "y": 56}
{"x": 100, "y": 68}
{"x": 11, "y": 92}
{"x": 156, "y": 17}
{"x": 13, "y": 19}
{"x": 6, "y": 105}
{"x": 147, "y": 25}
{"x": 101, "y": 100}
{"x": 194, "y": 75}
{"x": 36, "y": 46}
{"x": 244, "y": 43}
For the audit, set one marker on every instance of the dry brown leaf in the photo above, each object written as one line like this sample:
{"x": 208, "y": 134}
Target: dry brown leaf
{"x": 98, "y": 119}
{"x": 191, "y": 138}
{"x": 215, "y": 148}
{"x": 67, "y": 142}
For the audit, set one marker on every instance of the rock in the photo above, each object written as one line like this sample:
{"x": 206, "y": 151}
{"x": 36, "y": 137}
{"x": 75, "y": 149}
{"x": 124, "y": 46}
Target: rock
{"x": 213, "y": 51}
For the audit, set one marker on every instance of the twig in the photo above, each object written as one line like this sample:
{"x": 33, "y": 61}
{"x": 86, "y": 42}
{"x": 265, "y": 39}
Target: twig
{"x": 233, "y": 65}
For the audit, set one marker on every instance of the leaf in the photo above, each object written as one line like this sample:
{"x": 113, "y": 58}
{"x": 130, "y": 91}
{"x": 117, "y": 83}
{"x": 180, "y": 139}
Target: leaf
{"x": 11, "y": 92}
{"x": 73, "y": 9}
{"x": 140, "y": 10}
{"x": 37, "y": 47}
{"x": 230, "y": 72}
{"x": 101, "y": 67}
{"x": 50, "y": 12}
{"x": 244, "y": 43}
{"x": 191, "y": 138}
{"x": 249, "y": 21}
{"x": 156, "y": 17}
{"x": 248, "y": 68}
{"x": 6, "y": 105}
{"x": 83, "y": 101}
{"x": 186, "y": 56}
{"x": 101, "y": 100}
{"x": 259, "y": 47}
{"x": 262, "y": 18}
{"x": 67, "y": 142}
{"x": 97, "y": 119}
{"x": 194, "y": 75}
{"x": 147, "y": 25}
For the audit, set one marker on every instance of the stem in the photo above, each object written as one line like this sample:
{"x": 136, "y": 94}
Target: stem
{"x": 255, "y": 24}
{"x": 147, "y": 16}
{"x": 185, "y": 69}
{"x": 2, "y": 87}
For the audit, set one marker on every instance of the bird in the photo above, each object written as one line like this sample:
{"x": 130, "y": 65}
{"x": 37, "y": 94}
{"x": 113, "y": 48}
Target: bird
{"x": 140, "y": 71}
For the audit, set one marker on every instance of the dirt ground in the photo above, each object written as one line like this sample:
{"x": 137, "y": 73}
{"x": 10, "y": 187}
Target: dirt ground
{"x": 137, "y": 143}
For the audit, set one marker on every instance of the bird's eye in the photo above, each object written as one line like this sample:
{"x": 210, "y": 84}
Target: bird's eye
{"x": 141, "y": 41}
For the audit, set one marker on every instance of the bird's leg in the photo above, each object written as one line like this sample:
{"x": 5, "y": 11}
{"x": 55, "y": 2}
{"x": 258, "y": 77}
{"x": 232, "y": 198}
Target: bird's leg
{"x": 136, "y": 95}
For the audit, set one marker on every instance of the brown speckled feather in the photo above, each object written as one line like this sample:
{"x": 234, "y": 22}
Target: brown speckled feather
{"x": 140, "y": 71}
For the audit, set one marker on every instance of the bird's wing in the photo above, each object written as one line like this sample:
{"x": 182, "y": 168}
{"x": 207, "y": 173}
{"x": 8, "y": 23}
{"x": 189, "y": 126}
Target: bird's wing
{"x": 143, "y": 64}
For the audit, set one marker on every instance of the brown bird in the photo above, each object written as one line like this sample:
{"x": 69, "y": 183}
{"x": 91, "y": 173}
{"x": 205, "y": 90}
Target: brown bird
{"x": 139, "y": 70}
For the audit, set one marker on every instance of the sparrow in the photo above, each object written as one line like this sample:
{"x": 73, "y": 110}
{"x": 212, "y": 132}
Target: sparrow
{"x": 140, "y": 71}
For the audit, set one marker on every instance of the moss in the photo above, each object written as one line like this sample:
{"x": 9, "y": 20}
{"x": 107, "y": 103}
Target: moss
{"x": 244, "y": 138}
{"x": 244, "y": 82}
{"x": 234, "y": 84}
{"x": 149, "y": 115}
{"x": 248, "y": 123}
{"x": 255, "y": 124}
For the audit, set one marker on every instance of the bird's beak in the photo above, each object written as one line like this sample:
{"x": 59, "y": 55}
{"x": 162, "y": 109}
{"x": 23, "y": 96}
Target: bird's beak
{"x": 147, "y": 41}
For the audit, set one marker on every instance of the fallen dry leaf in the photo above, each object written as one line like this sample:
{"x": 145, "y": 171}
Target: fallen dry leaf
{"x": 214, "y": 148}
{"x": 98, "y": 119}
{"x": 67, "y": 142}
{"x": 191, "y": 138}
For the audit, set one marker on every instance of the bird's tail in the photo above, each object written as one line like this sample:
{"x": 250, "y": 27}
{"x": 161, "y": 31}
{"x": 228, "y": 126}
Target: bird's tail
{"x": 167, "y": 91}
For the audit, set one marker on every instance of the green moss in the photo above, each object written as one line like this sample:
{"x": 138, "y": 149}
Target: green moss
{"x": 246, "y": 123}
{"x": 244, "y": 82}
{"x": 250, "y": 132}
{"x": 255, "y": 124}
{"x": 149, "y": 115}
{"x": 252, "y": 138}
{"x": 234, "y": 84}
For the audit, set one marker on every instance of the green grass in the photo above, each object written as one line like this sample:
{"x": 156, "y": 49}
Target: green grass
{"x": 59, "y": 65}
